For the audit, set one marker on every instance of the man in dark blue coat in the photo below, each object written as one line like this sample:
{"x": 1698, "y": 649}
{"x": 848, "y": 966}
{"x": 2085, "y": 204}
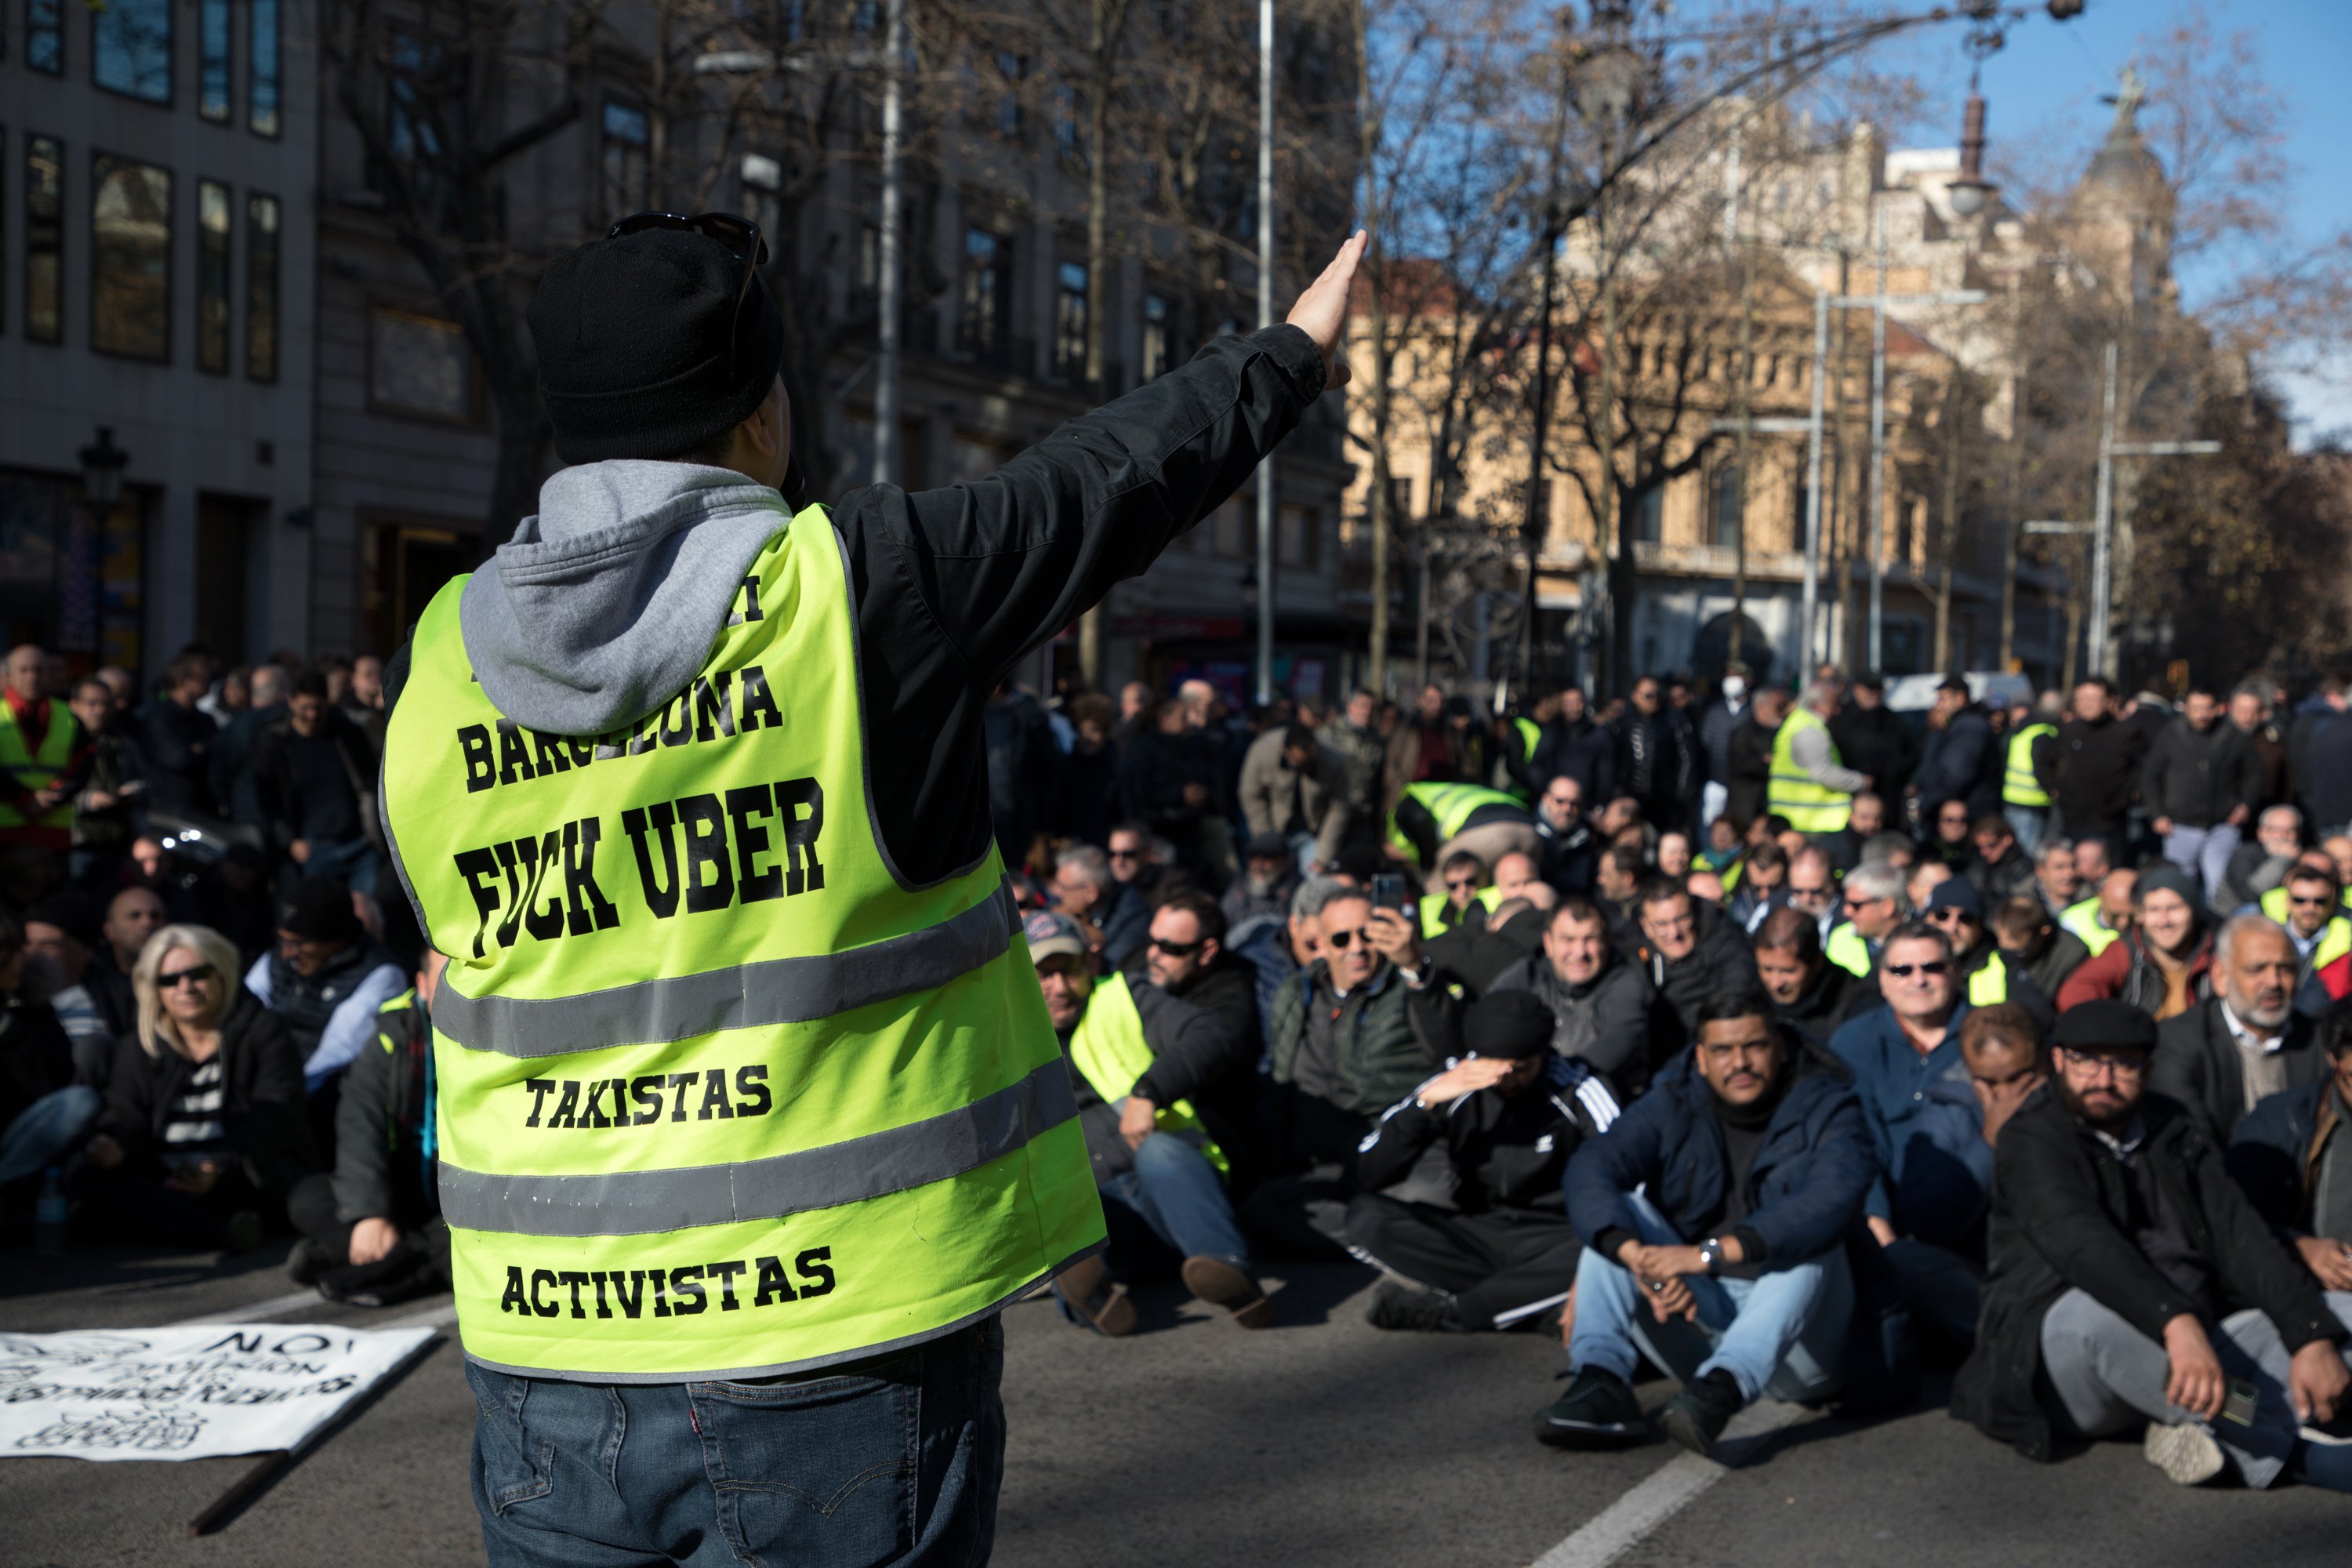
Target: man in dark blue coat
{"x": 1717, "y": 1207}
{"x": 2293, "y": 1155}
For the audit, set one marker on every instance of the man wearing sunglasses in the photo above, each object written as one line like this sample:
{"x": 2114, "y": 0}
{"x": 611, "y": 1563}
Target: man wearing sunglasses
{"x": 689, "y": 781}
{"x": 2309, "y": 909}
{"x": 2133, "y": 1285}
{"x": 1873, "y": 903}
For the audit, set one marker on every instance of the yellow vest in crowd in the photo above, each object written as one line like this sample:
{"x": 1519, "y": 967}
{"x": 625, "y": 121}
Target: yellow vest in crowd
{"x": 1433, "y": 906}
{"x": 2018, "y": 787}
{"x": 1110, "y": 1052}
{"x": 1449, "y": 805}
{"x": 1791, "y": 793}
{"x": 38, "y": 769}
{"x": 1848, "y": 949}
{"x": 720, "y": 1096}
{"x": 2082, "y": 920}
{"x": 2334, "y": 937}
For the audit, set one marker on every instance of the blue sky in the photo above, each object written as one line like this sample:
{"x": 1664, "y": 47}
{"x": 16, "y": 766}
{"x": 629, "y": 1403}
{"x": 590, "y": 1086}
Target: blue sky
{"x": 2044, "y": 91}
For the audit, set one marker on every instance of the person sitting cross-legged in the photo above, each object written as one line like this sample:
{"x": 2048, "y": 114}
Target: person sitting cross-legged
{"x": 2132, "y": 1284}
{"x": 1156, "y": 1168}
{"x": 2293, "y": 1155}
{"x": 1717, "y": 1207}
{"x": 1508, "y": 1112}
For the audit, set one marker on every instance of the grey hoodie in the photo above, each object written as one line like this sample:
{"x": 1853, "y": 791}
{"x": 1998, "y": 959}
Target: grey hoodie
{"x": 605, "y": 606}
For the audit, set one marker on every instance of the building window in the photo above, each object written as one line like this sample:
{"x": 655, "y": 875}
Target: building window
{"x": 213, "y": 209}
{"x": 263, "y": 82}
{"x": 45, "y": 36}
{"x": 1296, "y": 537}
{"x": 1649, "y": 516}
{"x": 419, "y": 364}
{"x": 1070, "y": 319}
{"x": 261, "y": 288}
{"x": 130, "y": 49}
{"x": 45, "y": 240}
{"x": 1155, "y": 349}
{"x": 213, "y": 46}
{"x": 130, "y": 258}
{"x": 628, "y": 135}
{"x": 1727, "y": 508}
{"x": 1010, "y": 70}
{"x": 987, "y": 289}
{"x": 1066, "y": 124}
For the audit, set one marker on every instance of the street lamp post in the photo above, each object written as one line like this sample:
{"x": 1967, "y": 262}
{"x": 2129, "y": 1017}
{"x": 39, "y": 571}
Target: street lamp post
{"x": 2103, "y": 524}
{"x": 1265, "y": 510}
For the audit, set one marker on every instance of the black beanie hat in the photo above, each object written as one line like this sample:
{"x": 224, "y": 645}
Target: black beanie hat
{"x": 1514, "y": 1024}
{"x": 319, "y": 909}
{"x": 632, "y": 337}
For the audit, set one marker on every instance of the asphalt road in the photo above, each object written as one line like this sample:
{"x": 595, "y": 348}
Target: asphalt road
{"x": 1319, "y": 1442}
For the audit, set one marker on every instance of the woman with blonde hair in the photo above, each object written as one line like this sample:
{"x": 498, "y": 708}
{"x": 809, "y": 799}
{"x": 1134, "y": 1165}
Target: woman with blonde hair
{"x": 205, "y": 1126}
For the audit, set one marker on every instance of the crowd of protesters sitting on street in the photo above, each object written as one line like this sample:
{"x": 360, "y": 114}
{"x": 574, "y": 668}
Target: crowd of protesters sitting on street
{"x": 1772, "y": 1039}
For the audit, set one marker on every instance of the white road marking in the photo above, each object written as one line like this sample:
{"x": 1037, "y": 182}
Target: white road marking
{"x": 1672, "y": 1487}
{"x": 436, "y": 1316}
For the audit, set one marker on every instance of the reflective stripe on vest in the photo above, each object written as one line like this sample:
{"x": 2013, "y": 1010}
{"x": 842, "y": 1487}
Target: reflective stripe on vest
{"x": 2082, "y": 920}
{"x": 1433, "y": 905}
{"x": 1847, "y": 950}
{"x": 1109, "y": 1048}
{"x": 2017, "y": 785}
{"x": 699, "y": 1055}
{"x": 36, "y": 770}
{"x": 1989, "y": 985}
{"x": 1791, "y": 793}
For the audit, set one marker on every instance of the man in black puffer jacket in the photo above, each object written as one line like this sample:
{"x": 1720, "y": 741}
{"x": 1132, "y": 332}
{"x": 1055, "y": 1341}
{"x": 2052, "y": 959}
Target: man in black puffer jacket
{"x": 2200, "y": 785}
{"x": 2099, "y": 761}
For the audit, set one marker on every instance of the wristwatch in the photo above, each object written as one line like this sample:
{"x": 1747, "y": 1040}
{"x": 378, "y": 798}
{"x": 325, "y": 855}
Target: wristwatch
{"x": 1710, "y": 1254}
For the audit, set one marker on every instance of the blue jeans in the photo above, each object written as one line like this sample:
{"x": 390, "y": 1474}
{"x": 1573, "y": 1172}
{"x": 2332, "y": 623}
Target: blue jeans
{"x": 2029, "y": 822}
{"x": 2203, "y": 851}
{"x": 46, "y": 1131}
{"x": 1174, "y": 1189}
{"x": 1781, "y": 1334}
{"x": 897, "y": 1461}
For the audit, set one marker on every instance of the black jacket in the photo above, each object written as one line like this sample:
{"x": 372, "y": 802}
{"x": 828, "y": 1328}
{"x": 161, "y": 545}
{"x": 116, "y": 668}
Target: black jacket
{"x": 2098, "y": 767}
{"x": 1478, "y": 956}
{"x": 1023, "y": 765}
{"x": 2199, "y": 777}
{"x": 1748, "y": 777}
{"x": 2197, "y": 1064}
{"x": 36, "y": 1057}
{"x": 1961, "y": 761}
{"x": 950, "y": 588}
{"x": 1719, "y": 961}
{"x": 2319, "y": 761}
{"x": 278, "y": 789}
{"x": 1658, "y": 762}
{"x": 1604, "y": 1022}
{"x": 381, "y": 1170}
{"x": 2061, "y": 1221}
{"x": 263, "y": 1109}
{"x": 1875, "y": 741}
{"x": 2275, "y": 1156}
{"x": 1227, "y": 992}
{"x": 1193, "y": 1054}
{"x": 177, "y": 742}
{"x": 1569, "y": 860}
{"x": 1508, "y": 1152}
{"x": 1585, "y": 751}
{"x": 1832, "y": 998}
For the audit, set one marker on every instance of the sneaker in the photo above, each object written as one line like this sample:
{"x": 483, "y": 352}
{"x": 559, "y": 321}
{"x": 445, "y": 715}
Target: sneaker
{"x": 243, "y": 1233}
{"x": 1227, "y": 1285}
{"x": 1696, "y": 1417}
{"x": 1087, "y": 1289}
{"x": 1599, "y": 1411}
{"x": 1412, "y": 1308}
{"x": 2187, "y": 1454}
{"x": 305, "y": 1263}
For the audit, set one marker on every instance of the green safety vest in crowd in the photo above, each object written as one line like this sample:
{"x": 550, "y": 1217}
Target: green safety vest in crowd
{"x": 1989, "y": 981}
{"x": 2334, "y": 937}
{"x": 720, "y": 1095}
{"x": 2018, "y": 787}
{"x": 1531, "y": 736}
{"x": 1847, "y": 950}
{"x": 1108, "y": 1047}
{"x": 1434, "y": 906}
{"x": 1791, "y": 793}
{"x": 1450, "y": 806}
{"x": 2082, "y": 920}
{"x": 38, "y": 769}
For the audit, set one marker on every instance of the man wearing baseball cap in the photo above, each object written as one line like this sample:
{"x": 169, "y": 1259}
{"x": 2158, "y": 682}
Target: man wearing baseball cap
{"x": 744, "y": 1077}
{"x": 1137, "y": 1054}
{"x": 2132, "y": 1284}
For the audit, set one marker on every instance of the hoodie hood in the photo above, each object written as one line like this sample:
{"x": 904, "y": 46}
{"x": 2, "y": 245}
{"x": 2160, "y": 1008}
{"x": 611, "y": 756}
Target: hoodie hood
{"x": 603, "y": 606}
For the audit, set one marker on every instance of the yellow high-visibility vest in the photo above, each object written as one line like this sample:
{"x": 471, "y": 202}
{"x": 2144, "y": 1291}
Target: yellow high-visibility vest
{"x": 2082, "y": 920}
{"x": 1433, "y": 906}
{"x": 1791, "y": 793}
{"x": 37, "y": 768}
{"x": 2334, "y": 937}
{"x": 1449, "y": 805}
{"x": 1108, "y": 1047}
{"x": 2019, "y": 786}
{"x": 720, "y": 1096}
{"x": 1847, "y": 950}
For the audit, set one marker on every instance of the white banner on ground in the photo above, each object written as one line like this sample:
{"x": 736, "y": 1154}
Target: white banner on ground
{"x": 192, "y": 1393}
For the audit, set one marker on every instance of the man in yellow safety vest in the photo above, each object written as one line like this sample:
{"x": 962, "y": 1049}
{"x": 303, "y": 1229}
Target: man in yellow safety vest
{"x": 1809, "y": 785}
{"x": 45, "y": 756}
{"x": 751, "y": 1114}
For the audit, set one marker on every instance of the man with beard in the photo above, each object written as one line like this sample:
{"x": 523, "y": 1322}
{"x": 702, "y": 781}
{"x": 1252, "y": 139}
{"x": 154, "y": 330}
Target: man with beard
{"x": 2131, "y": 1282}
{"x": 2245, "y": 1043}
{"x": 1186, "y": 958}
{"x": 1600, "y": 1007}
{"x": 2293, "y": 1155}
{"x": 1269, "y": 876}
{"x": 1810, "y": 994}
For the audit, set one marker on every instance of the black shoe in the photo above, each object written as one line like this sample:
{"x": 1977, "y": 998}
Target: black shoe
{"x": 1599, "y": 1411}
{"x": 1696, "y": 1417}
{"x": 243, "y": 1232}
{"x": 1413, "y": 1308}
{"x": 304, "y": 1264}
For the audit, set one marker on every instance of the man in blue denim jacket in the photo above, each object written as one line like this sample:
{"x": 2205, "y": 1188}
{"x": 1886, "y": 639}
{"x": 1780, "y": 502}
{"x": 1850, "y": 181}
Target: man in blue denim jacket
{"x": 1716, "y": 1207}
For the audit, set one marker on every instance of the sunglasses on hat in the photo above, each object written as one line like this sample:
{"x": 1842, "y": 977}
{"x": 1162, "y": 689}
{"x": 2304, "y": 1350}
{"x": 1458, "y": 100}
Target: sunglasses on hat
{"x": 739, "y": 236}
